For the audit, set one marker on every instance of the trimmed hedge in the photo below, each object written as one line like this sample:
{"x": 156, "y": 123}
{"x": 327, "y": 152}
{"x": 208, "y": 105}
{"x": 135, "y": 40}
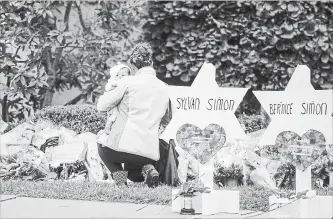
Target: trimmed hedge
{"x": 79, "y": 118}
{"x": 86, "y": 118}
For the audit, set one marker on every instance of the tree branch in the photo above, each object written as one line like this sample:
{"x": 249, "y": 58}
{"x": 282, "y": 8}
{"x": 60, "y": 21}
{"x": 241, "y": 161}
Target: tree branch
{"x": 4, "y": 110}
{"x": 108, "y": 14}
{"x": 52, "y": 69}
{"x": 11, "y": 102}
{"x": 48, "y": 60}
{"x": 52, "y": 73}
{"x": 3, "y": 48}
{"x": 80, "y": 17}
{"x": 67, "y": 12}
{"x": 59, "y": 50}
{"x": 75, "y": 100}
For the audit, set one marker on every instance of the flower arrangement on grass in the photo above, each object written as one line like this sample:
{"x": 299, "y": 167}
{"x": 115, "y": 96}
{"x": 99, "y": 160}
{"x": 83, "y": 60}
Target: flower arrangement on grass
{"x": 223, "y": 175}
{"x": 192, "y": 187}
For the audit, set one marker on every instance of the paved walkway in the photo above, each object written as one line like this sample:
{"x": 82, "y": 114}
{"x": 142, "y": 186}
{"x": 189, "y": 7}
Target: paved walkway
{"x": 19, "y": 207}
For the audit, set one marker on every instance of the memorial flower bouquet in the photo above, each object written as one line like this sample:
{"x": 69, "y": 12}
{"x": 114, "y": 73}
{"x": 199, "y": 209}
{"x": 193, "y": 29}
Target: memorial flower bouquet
{"x": 192, "y": 187}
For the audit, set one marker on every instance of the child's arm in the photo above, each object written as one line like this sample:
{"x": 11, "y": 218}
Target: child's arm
{"x": 110, "y": 85}
{"x": 112, "y": 98}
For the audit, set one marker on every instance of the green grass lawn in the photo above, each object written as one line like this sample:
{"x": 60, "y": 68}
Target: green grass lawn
{"x": 91, "y": 191}
{"x": 251, "y": 198}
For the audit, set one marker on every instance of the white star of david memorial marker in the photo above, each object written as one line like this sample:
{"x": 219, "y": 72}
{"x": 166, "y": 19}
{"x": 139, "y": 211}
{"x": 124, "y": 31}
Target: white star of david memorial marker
{"x": 299, "y": 108}
{"x": 202, "y": 104}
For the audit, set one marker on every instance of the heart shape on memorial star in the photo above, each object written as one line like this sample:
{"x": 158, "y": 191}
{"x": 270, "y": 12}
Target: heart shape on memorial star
{"x": 302, "y": 151}
{"x": 201, "y": 144}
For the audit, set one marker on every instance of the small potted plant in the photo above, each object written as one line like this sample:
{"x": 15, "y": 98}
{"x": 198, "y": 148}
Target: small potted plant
{"x": 190, "y": 192}
{"x": 229, "y": 176}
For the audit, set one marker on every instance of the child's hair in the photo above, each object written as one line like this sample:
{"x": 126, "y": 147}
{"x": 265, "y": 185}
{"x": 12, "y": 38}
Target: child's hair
{"x": 115, "y": 69}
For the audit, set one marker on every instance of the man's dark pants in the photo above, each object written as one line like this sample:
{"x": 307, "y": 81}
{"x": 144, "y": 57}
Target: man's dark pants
{"x": 132, "y": 163}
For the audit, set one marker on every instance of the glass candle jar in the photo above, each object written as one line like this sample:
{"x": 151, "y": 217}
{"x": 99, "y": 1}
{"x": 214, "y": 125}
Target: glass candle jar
{"x": 187, "y": 201}
{"x": 187, "y": 206}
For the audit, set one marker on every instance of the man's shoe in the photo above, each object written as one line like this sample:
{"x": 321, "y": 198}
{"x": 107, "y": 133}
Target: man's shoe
{"x": 152, "y": 179}
{"x": 151, "y": 175}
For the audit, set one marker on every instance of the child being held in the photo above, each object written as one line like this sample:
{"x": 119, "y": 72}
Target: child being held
{"x": 116, "y": 73}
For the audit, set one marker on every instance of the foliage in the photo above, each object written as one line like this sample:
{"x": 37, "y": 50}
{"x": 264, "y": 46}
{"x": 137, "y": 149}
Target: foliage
{"x": 321, "y": 168}
{"x": 222, "y": 174}
{"x": 193, "y": 188}
{"x": 42, "y": 53}
{"x": 255, "y": 122}
{"x": 79, "y": 118}
{"x": 250, "y": 105}
{"x": 285, "y": 175}
{"x": 329, "y": 158}
{"x": 252, "y": 44}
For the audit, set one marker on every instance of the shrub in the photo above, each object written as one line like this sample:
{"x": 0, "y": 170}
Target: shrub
{"x": 285, "y": 173}
{"x": 79, "y": 118}
{"x": 222, "y": 174}
{"x": 252, "y": 44}
{"x": 252, "y": 123}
